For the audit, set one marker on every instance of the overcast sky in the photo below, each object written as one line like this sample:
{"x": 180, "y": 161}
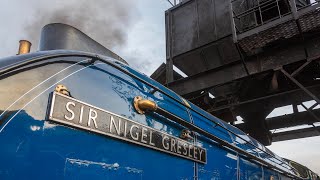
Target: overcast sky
{"x": 134, "y": 29}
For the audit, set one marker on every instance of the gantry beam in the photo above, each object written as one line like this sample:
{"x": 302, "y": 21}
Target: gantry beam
{"x": 235, "y": 71}
{"x": 296, "y": 134}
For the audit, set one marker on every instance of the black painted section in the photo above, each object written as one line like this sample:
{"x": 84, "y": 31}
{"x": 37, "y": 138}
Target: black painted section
{"x": 61, "y": 36}
{"x": 296, "y": 134}
{"x": 199, "y": 35}
{"x": 201, "y": 44}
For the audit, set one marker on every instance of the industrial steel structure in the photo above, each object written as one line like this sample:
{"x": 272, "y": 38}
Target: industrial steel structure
{"x": 252, "y": 56}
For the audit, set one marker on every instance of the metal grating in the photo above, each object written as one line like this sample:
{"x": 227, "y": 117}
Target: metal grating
{"x": 310, "y": 21}
{"x": 261, "y": 39}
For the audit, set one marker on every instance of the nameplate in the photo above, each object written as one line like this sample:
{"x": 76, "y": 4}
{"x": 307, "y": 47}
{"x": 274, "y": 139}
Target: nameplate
{"x": 74, "y": 113}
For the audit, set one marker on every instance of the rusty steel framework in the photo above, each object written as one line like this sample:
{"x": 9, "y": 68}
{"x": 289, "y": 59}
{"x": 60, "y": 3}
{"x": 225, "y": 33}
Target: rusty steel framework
{"x": 252, "y": 56}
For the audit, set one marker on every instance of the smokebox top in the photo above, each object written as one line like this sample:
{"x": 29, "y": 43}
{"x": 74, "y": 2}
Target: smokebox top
{"x": 58, "y": 36}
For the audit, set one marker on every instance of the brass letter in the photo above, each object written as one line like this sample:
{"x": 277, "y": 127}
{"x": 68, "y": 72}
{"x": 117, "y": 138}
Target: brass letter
{"x": 70, "y": 111}
{"x": 143, "y": 134}
{"x": 114, "y": 124}
{"x": 173, "y": 145}
{"x": 125, "y": 129}
{"x": 178, "y": 147}
{"x": 150, "y": 142}
{"x": 137, "y": 134}
{"x": 200, "y": 153}
{"x": 185, "y": 149}
{"x": 190, "y": 146}
{"x": 81, "y": 114}
{"x": 165, "y": 146}
{"x": 195, "y": 152}
{"x": 93, "y": 118}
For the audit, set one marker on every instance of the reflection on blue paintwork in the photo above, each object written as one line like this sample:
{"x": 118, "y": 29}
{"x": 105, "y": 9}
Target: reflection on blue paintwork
{"x": 211, "y": 127}
{"x": 215, "y": 169}
{"x": 268, "y": 174}
{"x": 37, "y": 140}
{"x": 57, "y": 151}
{"x": 249, "y": 170}
{"x": 84, "y": 169}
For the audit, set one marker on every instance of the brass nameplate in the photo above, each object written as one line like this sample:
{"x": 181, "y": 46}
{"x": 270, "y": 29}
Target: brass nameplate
{"x": 72, "y": 112}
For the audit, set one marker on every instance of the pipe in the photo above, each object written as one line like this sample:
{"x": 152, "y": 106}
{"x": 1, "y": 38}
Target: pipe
{"x": 24, "y": 47}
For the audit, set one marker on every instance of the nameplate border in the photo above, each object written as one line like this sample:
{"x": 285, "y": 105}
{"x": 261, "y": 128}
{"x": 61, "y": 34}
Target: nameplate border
{"x": 51, "y": 117}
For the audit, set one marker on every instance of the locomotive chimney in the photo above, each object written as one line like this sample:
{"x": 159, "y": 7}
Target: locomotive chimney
{"x": 24, "y": 47}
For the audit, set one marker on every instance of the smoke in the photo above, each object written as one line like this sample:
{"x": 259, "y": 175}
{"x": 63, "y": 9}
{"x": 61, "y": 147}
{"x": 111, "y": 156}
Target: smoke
{"x": 106, "y": 21}
{"x": 132, "y": 29}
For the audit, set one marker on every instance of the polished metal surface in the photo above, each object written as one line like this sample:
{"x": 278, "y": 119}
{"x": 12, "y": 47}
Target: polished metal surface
{"x": 62, "y": 89}
{"x": 186, "y": 134}
{"x": 70, "y": 153}
{"x": 230, "y": 134}
{"x": 72, "y": 112}
{"x": 142, "y": 105}
{"x": 24, "y": 47}
{"x": 79, "y": 154}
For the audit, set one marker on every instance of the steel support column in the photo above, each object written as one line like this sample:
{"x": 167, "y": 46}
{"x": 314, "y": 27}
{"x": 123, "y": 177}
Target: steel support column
{"x": 169, "y": 62}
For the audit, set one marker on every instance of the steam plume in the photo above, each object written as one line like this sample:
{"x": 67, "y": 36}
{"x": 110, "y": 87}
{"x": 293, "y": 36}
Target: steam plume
{"x": 106, "y": 21}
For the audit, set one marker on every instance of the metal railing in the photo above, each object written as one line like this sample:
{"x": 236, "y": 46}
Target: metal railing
{"x": 249, "y": 14}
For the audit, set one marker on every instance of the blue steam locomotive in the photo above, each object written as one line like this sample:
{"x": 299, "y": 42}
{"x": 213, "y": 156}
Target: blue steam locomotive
{"x": 76, "y": 110}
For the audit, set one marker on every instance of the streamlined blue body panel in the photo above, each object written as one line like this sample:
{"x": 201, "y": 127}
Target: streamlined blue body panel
{"x": 36, "y": 148}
